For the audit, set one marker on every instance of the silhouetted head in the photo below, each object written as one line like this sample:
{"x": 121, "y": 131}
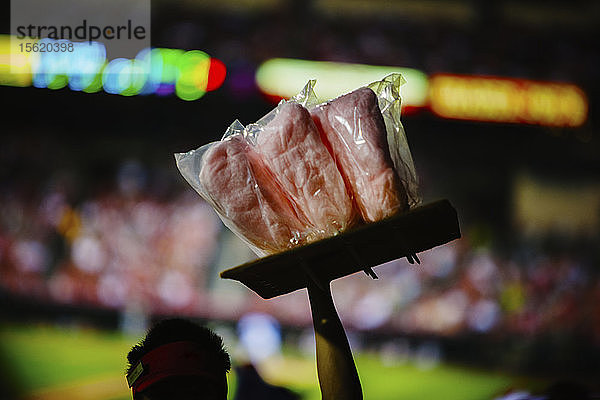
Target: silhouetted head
{"x": 178, "y": 359}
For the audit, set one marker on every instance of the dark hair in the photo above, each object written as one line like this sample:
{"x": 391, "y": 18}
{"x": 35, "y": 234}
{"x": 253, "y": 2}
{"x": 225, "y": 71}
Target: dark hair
{"x": 175, "y": 330}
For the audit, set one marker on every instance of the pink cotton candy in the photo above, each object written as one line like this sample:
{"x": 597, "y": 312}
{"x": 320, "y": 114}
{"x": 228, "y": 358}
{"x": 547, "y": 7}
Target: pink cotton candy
{"x": 354, "y": 131}
{"x": 248, "y": 198}
{"x": 291, "y": 148}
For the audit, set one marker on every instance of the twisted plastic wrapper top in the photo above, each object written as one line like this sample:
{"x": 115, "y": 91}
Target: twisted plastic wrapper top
{"x": 296, "y": 176}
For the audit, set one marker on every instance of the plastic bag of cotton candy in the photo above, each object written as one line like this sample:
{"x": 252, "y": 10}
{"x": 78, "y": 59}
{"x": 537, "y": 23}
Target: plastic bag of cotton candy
{"x": 308, "y": 171}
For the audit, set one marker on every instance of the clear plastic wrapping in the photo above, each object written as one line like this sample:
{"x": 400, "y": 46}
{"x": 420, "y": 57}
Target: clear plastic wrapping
{"x": 307, "y": 171}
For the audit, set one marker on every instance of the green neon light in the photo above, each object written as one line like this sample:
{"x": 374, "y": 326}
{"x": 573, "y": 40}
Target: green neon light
{"x": 96, "y": 83}
{"x": 135, "y": 78}
{"x": 58, "y": 81}
{"x": 170, "y": 59}
{"x": 193, "y": 75}
{"x": 286, "y": 77}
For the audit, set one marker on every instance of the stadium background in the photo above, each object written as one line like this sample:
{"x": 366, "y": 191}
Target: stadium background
{"x": 100, "y": 235}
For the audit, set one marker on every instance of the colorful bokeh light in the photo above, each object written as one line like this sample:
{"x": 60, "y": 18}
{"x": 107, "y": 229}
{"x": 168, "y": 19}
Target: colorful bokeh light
{"x": 495, "y": 99}
{"x": 161, "y": 71}
{"x": 284, "y": 78}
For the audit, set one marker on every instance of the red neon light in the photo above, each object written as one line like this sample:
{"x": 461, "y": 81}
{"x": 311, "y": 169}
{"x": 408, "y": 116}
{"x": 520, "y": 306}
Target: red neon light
{"x": 216, "y": 74}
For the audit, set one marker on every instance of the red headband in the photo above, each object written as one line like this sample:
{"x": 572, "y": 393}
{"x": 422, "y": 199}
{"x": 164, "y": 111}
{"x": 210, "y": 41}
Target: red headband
{"x": 172, "y": 359}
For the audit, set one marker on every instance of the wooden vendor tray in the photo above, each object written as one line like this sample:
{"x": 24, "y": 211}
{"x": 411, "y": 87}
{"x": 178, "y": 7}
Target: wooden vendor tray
{"x": 420, "y": 229}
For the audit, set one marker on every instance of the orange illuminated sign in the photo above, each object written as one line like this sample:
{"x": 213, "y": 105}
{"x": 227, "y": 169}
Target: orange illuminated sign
{"x": 507, "y": 100}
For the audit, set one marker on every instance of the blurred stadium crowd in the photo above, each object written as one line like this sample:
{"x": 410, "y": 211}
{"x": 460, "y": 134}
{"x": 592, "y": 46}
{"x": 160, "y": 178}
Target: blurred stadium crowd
{"x": 125, "y": 248}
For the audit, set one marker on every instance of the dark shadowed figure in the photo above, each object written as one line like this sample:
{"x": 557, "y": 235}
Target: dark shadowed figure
{"x": 181, "y": 360}
{"x": 178, "y": 360}
{"x": 250, "y": 386}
